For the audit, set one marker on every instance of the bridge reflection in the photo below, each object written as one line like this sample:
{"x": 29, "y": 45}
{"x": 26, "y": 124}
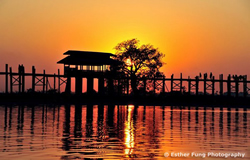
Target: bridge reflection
{"x": 117, "y": 131}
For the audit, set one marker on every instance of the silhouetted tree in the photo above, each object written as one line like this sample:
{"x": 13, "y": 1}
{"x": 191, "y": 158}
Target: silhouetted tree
{"x": 138, "y": 60}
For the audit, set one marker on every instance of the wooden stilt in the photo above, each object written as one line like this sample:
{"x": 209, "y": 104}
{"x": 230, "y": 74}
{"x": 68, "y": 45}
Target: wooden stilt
{"x": 236, "y": 86}
{"x": 154, "y": 85}
{"x": 189, "y": 85}
{"x": 33, "y": 78}
{"x": 44, "y": 81}
{"x": 19, "y": 78}
{"x": 11, "y": 84}
{"x": 59, "y": 81}
{"x": 6, "y": 78}
{"x": 245, "y": 86}
{"x": 23, "y": 79}
{"x": 197, "y": 85}
{"x": 144, "y": 85}
{"x": 181, "y": 88}
{"x": 172, "y": 82}
{"x": 213, "y": 88}
{"x": 127, "y": 85}
{"x": 163, "y": 84}
{"x": 54, "y": 81}
{"x": 221, "y": 84}
{"x": 46, "y": 84}
{"x": 205, "y": 84}
{"x": 229, "y": 85}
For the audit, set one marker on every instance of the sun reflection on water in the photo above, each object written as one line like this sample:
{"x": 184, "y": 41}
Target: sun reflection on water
{"x": 129, "y": 132}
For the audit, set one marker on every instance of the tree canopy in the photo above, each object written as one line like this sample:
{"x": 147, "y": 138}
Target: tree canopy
{"x": 138, "y": 60}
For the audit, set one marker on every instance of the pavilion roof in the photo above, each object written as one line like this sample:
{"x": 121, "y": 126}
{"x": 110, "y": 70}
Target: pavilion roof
{"x": 88, "y": 58}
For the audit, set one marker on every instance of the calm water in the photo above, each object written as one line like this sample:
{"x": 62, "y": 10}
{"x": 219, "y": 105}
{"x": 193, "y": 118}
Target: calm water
{"x": 121, "y": 132}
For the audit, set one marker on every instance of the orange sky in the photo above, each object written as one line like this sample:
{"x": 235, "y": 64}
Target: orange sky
{"x": 196, "y": 36}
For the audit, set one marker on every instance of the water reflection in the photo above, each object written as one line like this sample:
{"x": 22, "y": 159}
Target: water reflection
{"x": 228, "y": 122}
{"x": 78, "y": 123}
{"x": 66, "y": 129}
{"x": 89, "y": 121}
{"x": 129, "y": 132}
{"x": 118, "y": 132}
{"x": 100, "y": 127}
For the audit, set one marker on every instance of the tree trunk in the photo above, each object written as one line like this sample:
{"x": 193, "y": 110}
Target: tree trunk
{"x": 134, "y": 84}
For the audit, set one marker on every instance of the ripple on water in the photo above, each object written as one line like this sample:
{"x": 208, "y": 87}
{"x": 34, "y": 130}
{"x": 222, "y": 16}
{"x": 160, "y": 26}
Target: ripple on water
{"x": 120, "y": 132}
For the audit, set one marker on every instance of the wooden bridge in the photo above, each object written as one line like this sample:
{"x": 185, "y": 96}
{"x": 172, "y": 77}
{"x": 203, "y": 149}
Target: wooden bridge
{"x": 233, "y": 85}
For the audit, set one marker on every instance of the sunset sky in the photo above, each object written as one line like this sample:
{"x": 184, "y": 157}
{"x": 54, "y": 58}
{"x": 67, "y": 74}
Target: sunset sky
{"x": 195, "y": 35}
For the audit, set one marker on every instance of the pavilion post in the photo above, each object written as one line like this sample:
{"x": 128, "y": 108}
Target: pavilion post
{"x": 101, "y": 85}
{"x": 78, "y": 84}
{"x": 90, "y": 85}
{"x": 68, "y": 85}
{"x": 119, "y": 86}
{"x": 110, "y": 86}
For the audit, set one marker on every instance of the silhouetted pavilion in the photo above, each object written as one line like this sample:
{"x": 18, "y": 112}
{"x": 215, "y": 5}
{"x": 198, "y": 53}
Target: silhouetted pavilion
{"x": 86, "y": 64}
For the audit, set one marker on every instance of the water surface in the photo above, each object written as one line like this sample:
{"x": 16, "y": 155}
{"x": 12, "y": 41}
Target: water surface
{"x": 120, "y": 132}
